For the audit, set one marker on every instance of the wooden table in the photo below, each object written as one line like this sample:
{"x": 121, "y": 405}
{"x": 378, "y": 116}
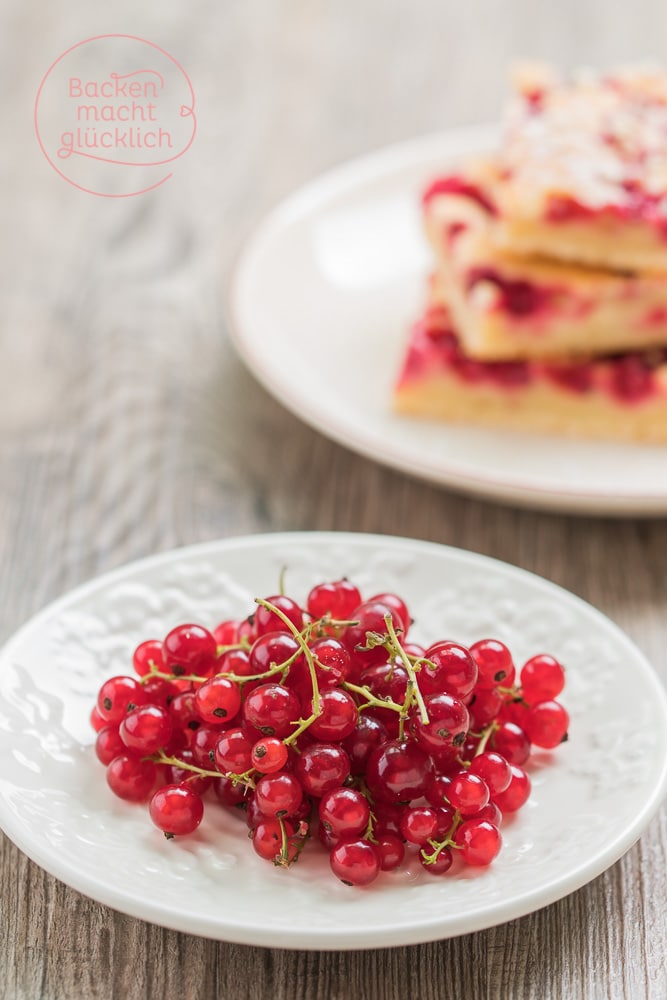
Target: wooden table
{"x": 128, "y": 426}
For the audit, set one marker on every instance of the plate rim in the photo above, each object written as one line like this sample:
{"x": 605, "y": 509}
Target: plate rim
{"x": 316, "y": 192}
{"x": 482, "y": 918}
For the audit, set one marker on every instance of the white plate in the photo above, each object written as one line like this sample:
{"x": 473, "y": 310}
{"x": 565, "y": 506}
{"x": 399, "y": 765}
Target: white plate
{"x": 320, "y": 305}
{"x": 592, "y": 797}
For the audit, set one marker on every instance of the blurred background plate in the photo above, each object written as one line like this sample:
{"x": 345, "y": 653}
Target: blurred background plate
{"x": 321, "y": 302}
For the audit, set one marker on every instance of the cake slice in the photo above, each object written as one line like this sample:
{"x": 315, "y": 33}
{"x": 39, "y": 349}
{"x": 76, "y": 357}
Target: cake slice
{"x": 507, "y": 306}
{"x": 584, "y": 170}
{"x": 617, "y": 397}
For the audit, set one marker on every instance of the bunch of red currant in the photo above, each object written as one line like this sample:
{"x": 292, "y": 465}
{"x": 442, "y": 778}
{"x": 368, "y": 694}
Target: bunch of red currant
{"x": 327, "y": 722}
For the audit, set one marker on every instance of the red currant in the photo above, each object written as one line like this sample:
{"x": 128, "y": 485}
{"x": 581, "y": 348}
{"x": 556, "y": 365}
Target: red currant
{"x": 479, "y": 840}
{"x": 269, "y": 755}
{"x": 398, "y": 771}
{"x": 189, "y": 649}
{"x": 131, "y": 778}
{"x": 355, "y": 862}
{"x": 268, "y": 621}
{"x": 176, "y": 809}
{"x": 542, "y": 678}
{"x": 337, "y": 600}
{"x": 147, "y": 656}
{"x": 452, "y": 670}
{"x": 117, "y": 697}
{"x": 344, "y": 811}
{"x": 278, "y": 794}
{"x": 272, "y": 709}
{"x": 468, "y": 793}
{"x": 517, "y": 792}
{"x": 321, "y": 767}
{"x": 146, "y": 729}
{"x": 546, "y": 724}
{"x": 218, "y": 700}
{"x": 494, "y": 663}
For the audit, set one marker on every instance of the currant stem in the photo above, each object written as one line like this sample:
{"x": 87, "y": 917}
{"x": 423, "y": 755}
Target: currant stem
{"x": 412, "y": 675}
{"x": 304, "y": 647}
{"x": 371, "y": 699}
{"x": 237, "y": 779}
{"x": 486, "y": 736}
{"x": 440, "y": 845}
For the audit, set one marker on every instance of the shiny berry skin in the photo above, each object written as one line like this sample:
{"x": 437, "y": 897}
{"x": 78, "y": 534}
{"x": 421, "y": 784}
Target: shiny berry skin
{"x": 271, "y": 649}
{"x": 398, "y": 771}
{"x": 490, "y": 812}
{"x": 235, "y": 661}
{"x": 183, "y": 713}
{"x": 227, "y": 632}
{"x": 96, "y": 720}
{"x": 542, "y": 678}
{"x": 494, "y": 663}
{"x": 441, "y": 865}
{"x": 338, "y": 715}
{"x": 517, "y": 792}
{"x": 337, "y": 600}
{"x": 479, "y": 840}
{"x": 228, "y": 793}
{"x": 148, "y": 655}
{"x": 391, "y": 850}
{"x": 387, "y": 818}
{"x": 484, "y": 706}
{"x": 332, "y": 661}
{"x": 131, "y": 778}
{"x": 355, "y": 862}
{"x": 436, "y": 792}
{"x": 269, "y": 755}
{"x": 321, "y": 767}
{"x": 546, "y": 724}
{"x": 418, "y": 824}
{"x": 109, "y": 744}
{"x": 202, "y": 746}
{"x": 447, "y": 726}
{"x": 189, "y": 649}
{"x": 159, "y": 691}
{"x": 176, "y": 810}
{"x": 344, "y": 812}
{"x": 468, "y": 793}
{"x": 494, "y": 769}
{"x": 218, "y": 700}
{"x": 267, "y": 621}
{"x": 267, "y": 840}
{"x": 233, "y": 751}
{"x": 146, "y": 729}
{"x": 453, "y": 670}
{"x": 278, "y": 794}
{"x": 273, "y": 709}
{"x": 511, "y": 742}
{"x": 117, "y": 697}
{"x": 397, "y": 604}
{"x": 368, "y": 733}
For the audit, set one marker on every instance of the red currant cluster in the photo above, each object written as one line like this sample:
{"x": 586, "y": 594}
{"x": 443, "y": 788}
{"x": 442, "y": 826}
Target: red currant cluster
{"x": 328, "y": 721}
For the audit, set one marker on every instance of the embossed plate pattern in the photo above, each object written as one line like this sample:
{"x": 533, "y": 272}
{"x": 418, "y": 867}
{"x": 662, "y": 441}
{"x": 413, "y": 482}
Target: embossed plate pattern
{"x": 592, "y": 797}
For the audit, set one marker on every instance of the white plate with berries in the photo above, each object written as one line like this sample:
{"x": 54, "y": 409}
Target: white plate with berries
{"x": 321, "y": 302}
{"x": 418, "y": 754}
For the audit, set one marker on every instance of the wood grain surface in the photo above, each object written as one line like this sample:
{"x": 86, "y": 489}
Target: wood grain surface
{"x": 128, "y": 426}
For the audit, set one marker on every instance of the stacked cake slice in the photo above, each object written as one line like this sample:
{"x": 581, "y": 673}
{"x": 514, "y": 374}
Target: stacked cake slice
{"x": 548, "y": 302}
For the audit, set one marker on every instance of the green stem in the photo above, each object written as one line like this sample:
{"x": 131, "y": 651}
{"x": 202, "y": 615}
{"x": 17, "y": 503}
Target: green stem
{"x": 413, "y": 687}
{"x": 304, "y": 648}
